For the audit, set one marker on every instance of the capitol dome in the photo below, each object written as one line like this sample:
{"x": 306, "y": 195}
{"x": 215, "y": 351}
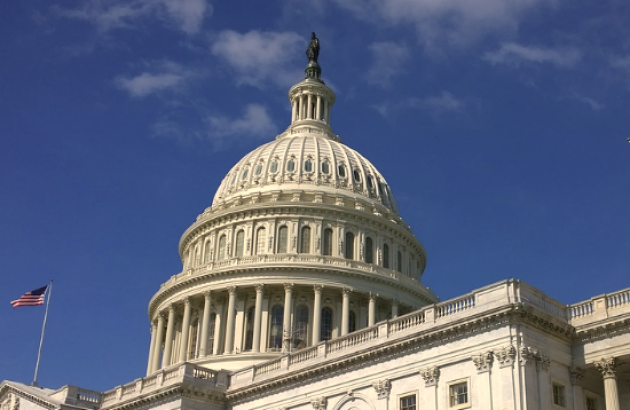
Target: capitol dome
{"x": 302, "y": 244}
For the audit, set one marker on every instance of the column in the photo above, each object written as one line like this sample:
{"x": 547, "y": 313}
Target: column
{"x": 318, "y": 108}
{"x": 372, "y": 309}
{"x": 394, "y": 308}
{"x": 203, "y": 348}
{"x": 345, "y": 311}
{"x": 229, "y": 327}
{"x": 294, "y": 110}
{"x": 309, "y": 107}
{"x": 577, "y": 376}
{"x": 286, "y": 325}
{"x": 257, "y": 313}
{"x": 152, "y": 347}
{"x": 302, "y": 111}
{"x": 183, "y": 350}
{"x": 317, "y": 314}
{"x": 326, "y": 112}
{"x": 157, "y": 351}
{"x": 168, "y": 343}
{"x": 607, "y": 367}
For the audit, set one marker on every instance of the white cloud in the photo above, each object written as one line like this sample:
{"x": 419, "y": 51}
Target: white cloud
{"x": 255, "y": 122}
{"x": 515, "y": 54}
{"x": 444, "y": 102}
{"x": 186, "y": 15}
{"x": 388, "y": 58}
{"x": 168, "y": 76}
{"x": 593, "y": 104}
{"x": 260, "y": 57}
{"x": 456, "y": 22}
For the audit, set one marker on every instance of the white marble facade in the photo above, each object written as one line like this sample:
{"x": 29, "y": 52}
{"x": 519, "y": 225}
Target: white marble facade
{"x": 301, "y": 289}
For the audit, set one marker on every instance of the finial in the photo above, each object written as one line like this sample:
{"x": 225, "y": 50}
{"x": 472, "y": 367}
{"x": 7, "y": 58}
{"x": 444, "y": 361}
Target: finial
{"x": 313, "y": 70}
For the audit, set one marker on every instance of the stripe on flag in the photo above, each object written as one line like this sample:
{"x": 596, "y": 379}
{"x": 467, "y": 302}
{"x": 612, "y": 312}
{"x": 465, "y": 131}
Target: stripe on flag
{"x": 32, "y": 298}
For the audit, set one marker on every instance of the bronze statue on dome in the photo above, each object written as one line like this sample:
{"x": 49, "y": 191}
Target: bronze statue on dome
{"x": 312, "y": 52}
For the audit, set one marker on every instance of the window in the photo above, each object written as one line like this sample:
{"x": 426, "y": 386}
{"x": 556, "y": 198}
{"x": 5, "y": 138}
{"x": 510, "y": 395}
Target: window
{"x": 222, "y": 242}
{"x": 291, "y": 165}
{"x": 249, "y": 330}
{"x": 258, "y": 169}
{"x": 300, "y": 332}
{"x": 370, "y": 181}
{"x": 325, "y": 168}
{"x": 558, "y": 395}
{"x": 305, "y": 240}
{"x": 192, "y": 348}
{"x": 206, "y": 253}
{"x": 275, "y": 333}
{"x": 327, "y": 250}
{"x": 369, "y": 256}
{"x": 408, "y": 402}
{"x": 213, "y": 318}
{"x": 458, "y": 394}
{"x": 386, "y": 256}
{"x": 240, "y": 243}
{"x": 308, "y": 165}
{"x": 234, "y": 177}
{"x": 261, "y": 240}
{"x": 283, "y": 238}
{"x": 342, "y": 171}
{"x": 399, "y": 261}
{"x": 274, "y": 167}
{"x": 245, "y": 172}
{"x": 591, "y": 403}
{"x": 352, "y": 322}
{"x": 327, "y": 320}
{"x": 357, "y": 175}
{"x": 349, "y": 245}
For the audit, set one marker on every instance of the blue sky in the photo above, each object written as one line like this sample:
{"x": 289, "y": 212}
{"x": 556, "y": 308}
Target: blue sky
{"x": 501, "y": 127}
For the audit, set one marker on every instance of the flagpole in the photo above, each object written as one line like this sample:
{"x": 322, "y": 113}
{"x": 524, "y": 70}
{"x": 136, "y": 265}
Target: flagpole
{"x": 41, "y": 340}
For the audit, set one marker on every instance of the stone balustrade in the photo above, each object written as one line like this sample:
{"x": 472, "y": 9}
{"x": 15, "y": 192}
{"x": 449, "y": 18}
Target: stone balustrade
{"x": 599, "y": 308}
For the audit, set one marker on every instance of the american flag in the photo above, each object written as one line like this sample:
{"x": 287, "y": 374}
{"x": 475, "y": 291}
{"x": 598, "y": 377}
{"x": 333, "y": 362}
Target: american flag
{"x": 32, "y": 298}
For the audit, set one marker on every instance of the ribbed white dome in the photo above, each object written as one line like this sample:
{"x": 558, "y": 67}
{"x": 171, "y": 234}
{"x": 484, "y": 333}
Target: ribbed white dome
{"x": 306, "y": 161}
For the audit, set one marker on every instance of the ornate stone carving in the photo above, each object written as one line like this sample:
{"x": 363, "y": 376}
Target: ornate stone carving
{"x": 231, "y": 289}
{"x": 576, "y": 375}
{"x": 288, "y": 287}
{"x": 430, "y": 375}
{"x": 318, "y": 288}
{"x": 260, "y": 288}
{"x": 607, "y": 367}
{"x": 527, "y": 355}
{"x": 319, "y": 403}
{"x": 543, "y": 361}
{"x": 506, "y": 356}
{"x": 483, "y": 362}
{"x": 382, "y": 388}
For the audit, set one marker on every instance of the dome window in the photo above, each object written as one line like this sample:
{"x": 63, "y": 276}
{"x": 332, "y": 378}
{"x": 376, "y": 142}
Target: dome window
{"x": 370, "y": 181}
{"x": 291, "y": 165}
{"x": 308, "y": 165}
{"x": 342, "y": 171}
{"x": 234, "y": 178}
{"x": 245, "y": 172}
{"x": 274, "y": 167}
{"x": 258, "y": 169}
{"x": 325, "y": 168}
{"x": 357, "y": 175}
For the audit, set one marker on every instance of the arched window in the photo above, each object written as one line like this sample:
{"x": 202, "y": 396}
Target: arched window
{"x": 327, "y": 323}
{"x": 258, "y": 169}
{"x": 305, "y": 240}
{"x": 240, "y": 243}
{"x": 245, "y": 173}
{"x": 349, "y": 245}
{"x": 291, "y": 165}
{"x": 357, "y": 175}
{"x": 352, "y": 322}
{"x": 385, "y": 256}
{"x": 308, "y": 165}
{"x": 283, "y": 239}
{"x": 261, "y": 240}
{"x": 222, "y": 242}
{"x": 234, "y": 177}
{"x": 327, "y": 248}
{"x": 369, "y": 250}
{"x": 275, "y": 332}
{"x": 206, "y": 255}
{"x": 274, "y": 167}
{"x": 213, "y": 318}
{"x": 370, "y": 181}
{"x": 249, "y": 330}
{"x": 342, "y": 171}
{"x": 325, "y": 168}
{"x": 300, "y": 332}
{"x": 399, "y": 261}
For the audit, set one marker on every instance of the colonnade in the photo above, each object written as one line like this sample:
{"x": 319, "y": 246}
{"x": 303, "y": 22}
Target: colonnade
{"x": 260, "y": 319}
{"x": 310, "y": 107}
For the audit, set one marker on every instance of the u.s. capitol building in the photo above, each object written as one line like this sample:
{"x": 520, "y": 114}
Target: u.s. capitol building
{"x": 301, "y": 289}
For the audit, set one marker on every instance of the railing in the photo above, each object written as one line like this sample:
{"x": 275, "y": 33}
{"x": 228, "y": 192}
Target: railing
{"x": 171, "y": 374}
{"x": 351, "y": 340}
{"x": 600, "y": 307}
{"x": 303, "y": 355}
{"x": 455, "y": 306}
{"x": 109, "y": 396}
{"x": 129, "y": 388}
{"x": 267, "y": 367}
{"x": 581, "y": 310}
{"x": 206, "y": 374}
{"x": 406, "y": 322}
{"x": 618, "y": 299}
{"x": 149, "y": 381}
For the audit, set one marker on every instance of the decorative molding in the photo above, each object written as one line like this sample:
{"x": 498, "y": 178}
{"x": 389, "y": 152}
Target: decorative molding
{"x": 319, "y": 403}
{"x": 576, "y": 374}
{"x": 382, "y": 388}
{"x": 506, "y": 356}
{"x": 531, "y": 355}
{"x": 607, "y": 367}
{"x": 430, "y": 375}
{"x": 483, "y": 362}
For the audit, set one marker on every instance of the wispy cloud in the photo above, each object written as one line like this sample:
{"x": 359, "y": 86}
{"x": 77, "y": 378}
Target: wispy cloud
{"x": 593, "y": 104}
{"x": 185, "y": 15}
{"x": 166, "y": 76}
{"x": 255, "y": 122}
{"x": 440, "y": 22}
{"x": 258, "y": 58}
{"x": 516, "y": 54}
{"x": 387, "y": 61}
{"x": 437, "y": 104}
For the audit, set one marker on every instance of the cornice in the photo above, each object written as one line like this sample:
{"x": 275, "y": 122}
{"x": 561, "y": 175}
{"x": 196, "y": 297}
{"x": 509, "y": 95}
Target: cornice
{"x": 438, "y": 335}
{"x": 30, "y": 397}
{"x": 602, "y": 330}
{"x": 172, "y": 393}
